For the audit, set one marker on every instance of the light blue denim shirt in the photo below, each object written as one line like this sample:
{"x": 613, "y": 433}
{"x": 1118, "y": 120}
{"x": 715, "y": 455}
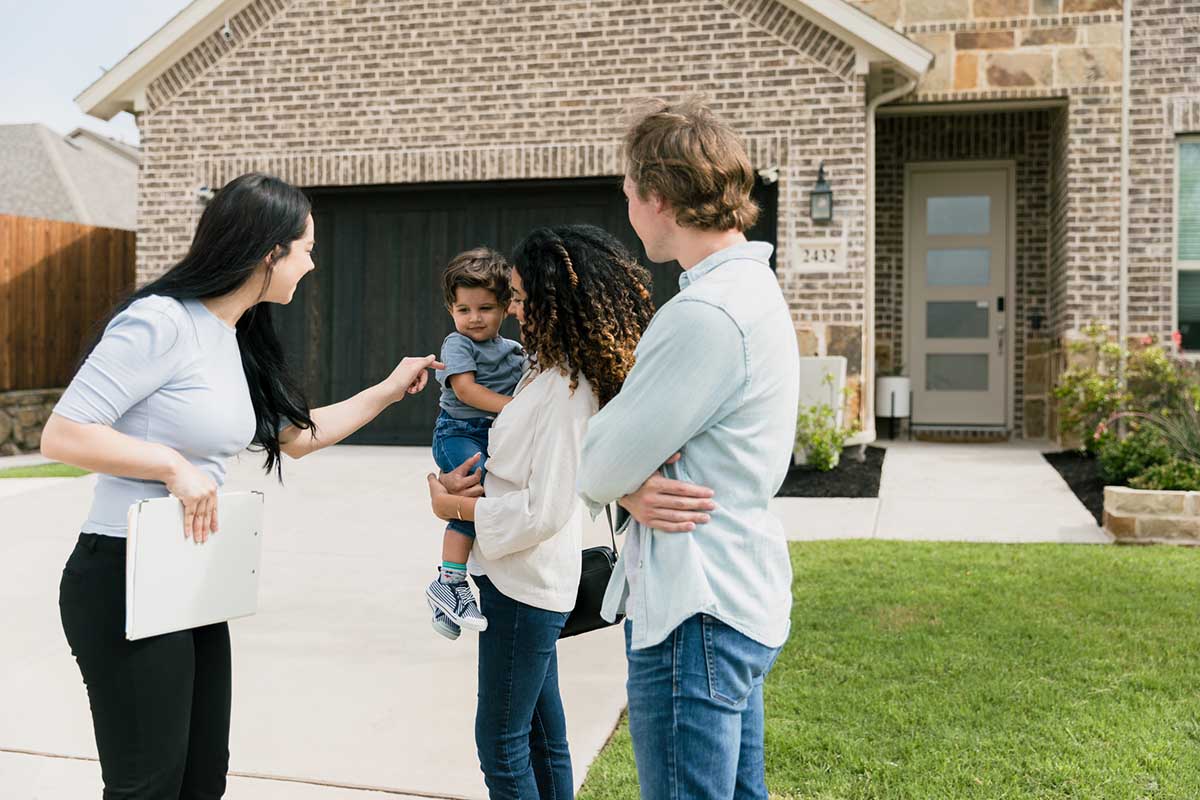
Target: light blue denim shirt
{"x": 716, "y": 379}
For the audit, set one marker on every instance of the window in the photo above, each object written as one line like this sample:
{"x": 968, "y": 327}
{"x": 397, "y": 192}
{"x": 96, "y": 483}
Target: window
{"x": 1187, "y": 237}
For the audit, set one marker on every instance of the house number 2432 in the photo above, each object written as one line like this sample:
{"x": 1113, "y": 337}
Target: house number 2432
{"x": 820, "y": 255}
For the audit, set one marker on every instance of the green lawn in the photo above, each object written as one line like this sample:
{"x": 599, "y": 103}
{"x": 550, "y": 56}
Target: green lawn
{"x": 43, "y": 471}
{"x": 953, "y": 671}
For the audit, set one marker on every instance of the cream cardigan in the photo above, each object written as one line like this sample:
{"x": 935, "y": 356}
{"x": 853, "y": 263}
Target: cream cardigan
{"x": 529, "y": 527}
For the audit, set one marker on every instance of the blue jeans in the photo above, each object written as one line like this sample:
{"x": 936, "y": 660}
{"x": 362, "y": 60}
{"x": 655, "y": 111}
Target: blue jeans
{"x": 696, "y": 713}
{"x": 456, "y": 440}
{"x": 520, "y": 727}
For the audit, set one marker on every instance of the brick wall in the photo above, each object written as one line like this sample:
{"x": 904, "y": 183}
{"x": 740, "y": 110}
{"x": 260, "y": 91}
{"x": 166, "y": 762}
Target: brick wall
{"x": 1164, "y": 102}
{"x": 333, "y": 92}
{"x": 1055, "y": 358}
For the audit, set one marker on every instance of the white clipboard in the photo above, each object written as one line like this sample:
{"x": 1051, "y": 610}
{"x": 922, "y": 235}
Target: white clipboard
{"x": 173, "y": 584}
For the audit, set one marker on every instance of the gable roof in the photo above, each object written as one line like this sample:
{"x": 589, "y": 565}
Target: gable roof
{"x": 873, "y": 41}
{"x": 82, "y": 177}
{"x": 123, "y": 88}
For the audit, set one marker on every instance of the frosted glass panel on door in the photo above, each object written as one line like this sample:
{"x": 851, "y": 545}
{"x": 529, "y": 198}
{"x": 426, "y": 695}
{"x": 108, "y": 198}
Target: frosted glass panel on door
{"x": 958, "y": 216}
{"x": 956, "y": 372}
{"x": 958, "y": 267}
{"x": 956, "y": 320}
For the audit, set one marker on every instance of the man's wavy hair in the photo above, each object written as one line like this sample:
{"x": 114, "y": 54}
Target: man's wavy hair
{"x": 696, "y": 163}
{"x": 587, "y": 304}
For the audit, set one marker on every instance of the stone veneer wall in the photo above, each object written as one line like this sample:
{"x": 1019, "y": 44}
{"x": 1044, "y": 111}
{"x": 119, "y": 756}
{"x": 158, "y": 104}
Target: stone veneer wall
{"x": 22, "y": 417}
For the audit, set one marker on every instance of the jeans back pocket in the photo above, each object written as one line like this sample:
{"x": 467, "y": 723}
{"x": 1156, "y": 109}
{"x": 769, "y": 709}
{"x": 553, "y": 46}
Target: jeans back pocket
{"x": 735, "y": 662}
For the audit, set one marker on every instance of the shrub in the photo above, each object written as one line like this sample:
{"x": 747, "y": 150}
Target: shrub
{"x": 1174, "y": 474}
{"x": 1123, "y": 459}
{"x": 819, "y": 435}
{"x": 1088, "y": 394}
{"x": 1092, "y": 393}
{"x": 1155, "y": 382}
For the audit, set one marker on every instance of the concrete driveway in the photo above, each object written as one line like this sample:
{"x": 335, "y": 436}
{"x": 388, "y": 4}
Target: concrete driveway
{"x": 339, "y": 682}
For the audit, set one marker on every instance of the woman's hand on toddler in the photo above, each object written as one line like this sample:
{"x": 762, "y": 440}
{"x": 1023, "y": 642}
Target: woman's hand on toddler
{"x": 461, "y": 481}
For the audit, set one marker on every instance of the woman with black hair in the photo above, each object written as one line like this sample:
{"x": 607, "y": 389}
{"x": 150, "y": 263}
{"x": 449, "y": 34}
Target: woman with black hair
{"x": 583, "y": 302}
{"x": 187, "y": 373}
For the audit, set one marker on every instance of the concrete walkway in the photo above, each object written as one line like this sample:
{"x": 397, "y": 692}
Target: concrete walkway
{"x": 953, "y": 492}
{"x": 338, "y": 680}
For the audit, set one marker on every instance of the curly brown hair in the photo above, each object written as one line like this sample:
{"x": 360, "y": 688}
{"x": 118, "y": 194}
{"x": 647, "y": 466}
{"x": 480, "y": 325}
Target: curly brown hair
{"x": 587, "y": 304}
{"x": 695, "y": 162}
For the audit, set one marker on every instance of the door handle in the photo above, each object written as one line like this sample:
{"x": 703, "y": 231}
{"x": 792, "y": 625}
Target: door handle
{"x": 1000, "y": 337}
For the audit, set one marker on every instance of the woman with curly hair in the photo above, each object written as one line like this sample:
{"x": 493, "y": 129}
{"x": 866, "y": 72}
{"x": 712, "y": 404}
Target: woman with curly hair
{"x": 583, "y": 303}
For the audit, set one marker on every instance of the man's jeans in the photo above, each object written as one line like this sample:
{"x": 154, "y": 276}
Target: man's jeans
{"x": 520, "y": 728}
{"x": 696, "y": 713}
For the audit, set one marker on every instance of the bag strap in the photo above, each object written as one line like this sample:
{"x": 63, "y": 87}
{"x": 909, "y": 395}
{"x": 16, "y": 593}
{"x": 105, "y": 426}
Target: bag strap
{"x": 612, "y": 532}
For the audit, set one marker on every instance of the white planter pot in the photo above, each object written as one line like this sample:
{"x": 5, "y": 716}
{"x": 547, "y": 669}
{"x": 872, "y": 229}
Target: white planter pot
{"x": 892, "y": 396}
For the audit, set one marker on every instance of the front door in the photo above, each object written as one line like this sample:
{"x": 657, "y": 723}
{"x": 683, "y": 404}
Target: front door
{"x": 958, "y": 308}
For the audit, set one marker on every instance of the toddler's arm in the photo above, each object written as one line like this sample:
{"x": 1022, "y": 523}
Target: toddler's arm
{"x": 477, "y": 396}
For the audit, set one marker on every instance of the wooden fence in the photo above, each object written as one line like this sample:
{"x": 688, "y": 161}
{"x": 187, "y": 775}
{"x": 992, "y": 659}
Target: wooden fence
{"x": 57, "y": 281}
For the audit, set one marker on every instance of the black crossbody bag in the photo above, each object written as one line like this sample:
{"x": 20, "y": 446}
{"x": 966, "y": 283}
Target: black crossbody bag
{"x": 598, "y": 563}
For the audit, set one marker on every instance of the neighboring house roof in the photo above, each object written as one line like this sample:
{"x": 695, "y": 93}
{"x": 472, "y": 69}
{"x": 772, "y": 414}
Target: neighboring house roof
{"x": 82, "y": 177}
{"x": 123, "y": 88}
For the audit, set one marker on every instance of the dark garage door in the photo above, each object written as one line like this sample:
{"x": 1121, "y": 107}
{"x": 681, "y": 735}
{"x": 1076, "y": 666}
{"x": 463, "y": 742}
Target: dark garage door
{"x": 375, "y": 295}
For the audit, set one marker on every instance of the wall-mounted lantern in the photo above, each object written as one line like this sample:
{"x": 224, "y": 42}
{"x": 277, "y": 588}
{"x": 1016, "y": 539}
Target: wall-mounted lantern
{"x": 821, "y": 198}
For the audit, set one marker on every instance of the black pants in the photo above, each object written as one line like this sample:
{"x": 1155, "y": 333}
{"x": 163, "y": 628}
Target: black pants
{"x": 160, "y": 706}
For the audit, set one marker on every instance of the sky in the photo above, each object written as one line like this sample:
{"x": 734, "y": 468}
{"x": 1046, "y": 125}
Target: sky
{"x": 51, "y": 50}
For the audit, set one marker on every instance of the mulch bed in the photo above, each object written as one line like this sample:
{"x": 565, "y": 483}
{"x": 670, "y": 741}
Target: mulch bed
{"x": 1082, "y": 474}
{"x": 848, "y": 479}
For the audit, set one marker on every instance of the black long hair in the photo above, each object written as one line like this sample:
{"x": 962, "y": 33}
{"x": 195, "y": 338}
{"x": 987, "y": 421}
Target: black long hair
{"x": 587, "y": 304}
{"x": 241, "y": 228}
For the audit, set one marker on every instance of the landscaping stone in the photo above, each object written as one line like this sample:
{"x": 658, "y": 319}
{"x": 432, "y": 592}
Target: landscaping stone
{"x": 1140, "y": 516}
{"x": 1141, "y": 501}
{"x": 1187, "y": 528}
